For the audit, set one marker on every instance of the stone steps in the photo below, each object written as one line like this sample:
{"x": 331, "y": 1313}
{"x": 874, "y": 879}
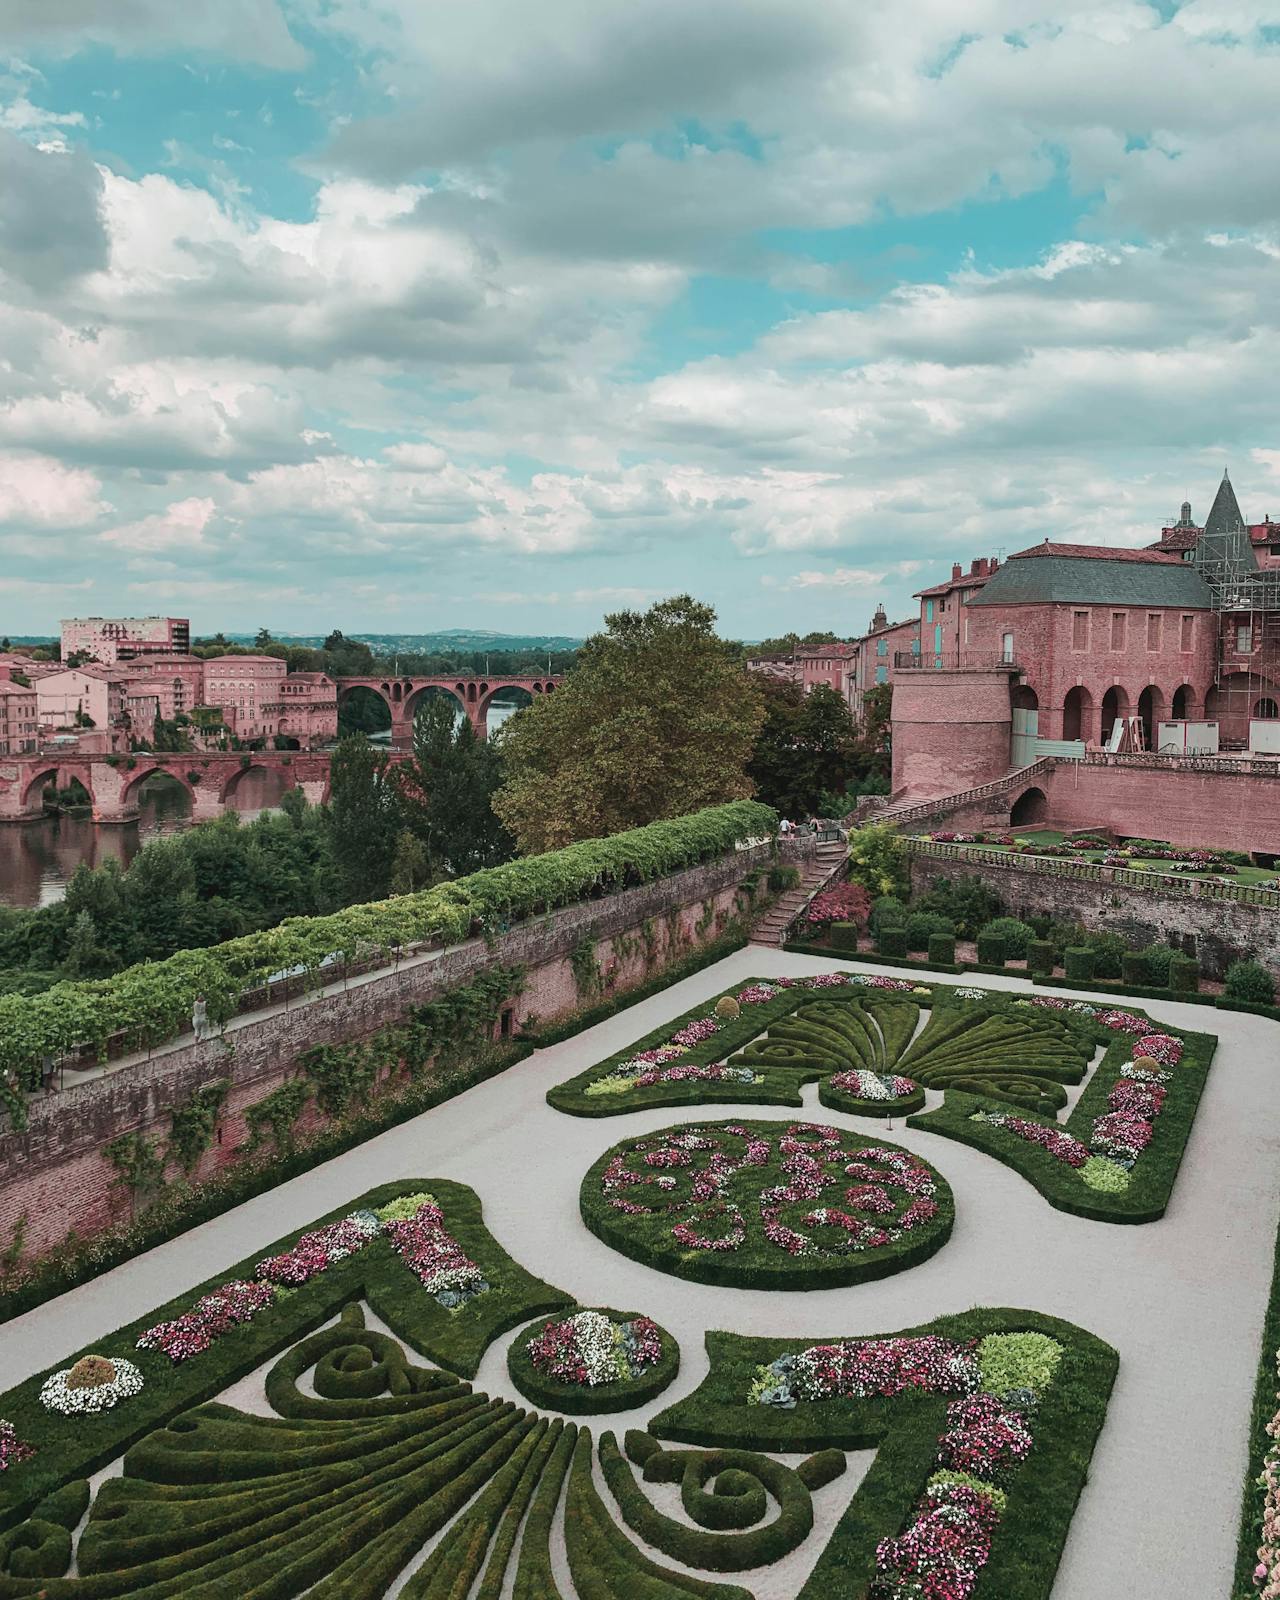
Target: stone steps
{"x": 775, "y": 922}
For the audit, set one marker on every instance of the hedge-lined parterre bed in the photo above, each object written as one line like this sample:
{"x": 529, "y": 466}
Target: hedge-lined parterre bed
{"x": 153, "y": 1002}
{"x": 338, "y": 1492}
{"x": 593, "y": 1359}
{"x": 1117, "y": 1155}
{"x": 1258, "y": 1557}
{"x": 687, "y": 1061}
{"x": 984, "y": 1424}
{"x": 856, "y": 1033}
{"x": 416, "y": 1251}
{"x": 767, "y": 1205}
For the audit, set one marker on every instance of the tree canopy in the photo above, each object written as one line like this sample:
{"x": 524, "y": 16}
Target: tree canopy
{"x": 447, "y": 790}
{"x": 657, "y": 720}
{"x": 808, "y": 746}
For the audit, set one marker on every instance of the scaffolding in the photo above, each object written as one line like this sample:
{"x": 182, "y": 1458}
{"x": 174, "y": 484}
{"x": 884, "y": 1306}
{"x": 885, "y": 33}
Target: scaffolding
{"x": 1246, "y": 605}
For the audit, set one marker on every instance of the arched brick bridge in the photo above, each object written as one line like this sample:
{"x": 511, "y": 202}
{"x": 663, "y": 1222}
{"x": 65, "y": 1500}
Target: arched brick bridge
{"x": 403, "y": 696}
{"x": 113, "y": 784}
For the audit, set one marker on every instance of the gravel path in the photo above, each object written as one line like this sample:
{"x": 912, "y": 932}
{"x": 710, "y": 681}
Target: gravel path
{"x": 1182, "y": 1300}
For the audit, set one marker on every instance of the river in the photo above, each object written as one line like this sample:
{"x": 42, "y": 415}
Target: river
{"x": 37, "y": 858}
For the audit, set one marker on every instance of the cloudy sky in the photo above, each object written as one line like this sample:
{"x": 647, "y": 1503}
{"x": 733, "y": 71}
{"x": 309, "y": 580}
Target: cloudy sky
{"x": 393, "y": 315}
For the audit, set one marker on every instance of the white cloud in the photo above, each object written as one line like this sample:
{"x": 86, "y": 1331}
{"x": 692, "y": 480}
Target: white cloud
{"x": 41, "y": 492}
{"x": 180, "y": 527}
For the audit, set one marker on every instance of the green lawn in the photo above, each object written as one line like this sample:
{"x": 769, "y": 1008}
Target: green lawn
{"x": 1245, "y": 875}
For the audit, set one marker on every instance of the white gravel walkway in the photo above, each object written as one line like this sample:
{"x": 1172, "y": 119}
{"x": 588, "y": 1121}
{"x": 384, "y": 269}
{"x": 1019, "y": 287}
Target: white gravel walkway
{"x": 1182, "y": 1299}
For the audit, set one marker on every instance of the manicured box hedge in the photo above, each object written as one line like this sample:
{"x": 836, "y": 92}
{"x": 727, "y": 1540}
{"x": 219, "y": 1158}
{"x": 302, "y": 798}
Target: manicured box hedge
{"x": 942, "y": 949}
{"x": 991, "y": 948}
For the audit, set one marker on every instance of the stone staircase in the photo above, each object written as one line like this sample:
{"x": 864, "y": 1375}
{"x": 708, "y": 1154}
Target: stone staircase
{"x": 903, "y": 812}
{"x": 816, "y": 871}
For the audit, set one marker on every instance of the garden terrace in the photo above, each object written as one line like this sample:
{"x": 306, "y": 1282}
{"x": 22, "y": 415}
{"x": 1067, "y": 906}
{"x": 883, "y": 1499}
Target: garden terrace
{"x": 362, "y": 1435}
{"x": 151, "y": 1004}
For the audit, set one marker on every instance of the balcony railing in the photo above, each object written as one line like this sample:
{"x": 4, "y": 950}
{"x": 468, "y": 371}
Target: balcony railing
{"x": 951, "y": 660}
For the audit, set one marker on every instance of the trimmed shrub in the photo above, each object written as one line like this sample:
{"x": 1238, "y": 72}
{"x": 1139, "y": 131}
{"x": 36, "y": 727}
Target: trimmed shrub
{"x": 886, "y": 909}
{"x": 843, "y": 935}
{"x": 922, "y": 925}
{"x": 1108, "y": 954}
{"x": 1134, "y": 971}
{"x": 991, "y": 948}
{"x": 892, "y": 940}
{"x": 1184, "y": 973}
{"x": 942, "y": 949}
{"x": 1078, "y": 962}
{"x": 967, "y": 902}
{"x": 1017, "y": 935}
{"x": 1158, "y": 958}
{"x": 1040, "y": 956}
{"x": 1249, "y": 980}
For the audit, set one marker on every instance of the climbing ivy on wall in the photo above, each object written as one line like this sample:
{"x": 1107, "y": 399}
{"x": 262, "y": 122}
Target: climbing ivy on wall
{"x": 586, "y": 973}
{"x": 277, "y": 1111}
{"x": 191, "y": 1127}
{"x": 139, "y": 1165}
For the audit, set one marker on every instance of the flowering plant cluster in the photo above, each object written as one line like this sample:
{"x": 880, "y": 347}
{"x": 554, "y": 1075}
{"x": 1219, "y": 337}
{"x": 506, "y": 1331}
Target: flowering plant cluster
{"x": 855, "y": 1369}
{"x": 968, "y": 993}
{"x": 13, "y": 1451}
{"x": 1121, "y": 1136}
{"x": 847, "y": 902}
{"x": 943, "y": 1549}
{"x": 1266, "y": 1575}
{"x": 687, "y": 1174}
{"x": 214, "y": 1314}
{"x": 1123, "y": 1022}
{"x": 866, "y": 1085}
{"x": 94, "y": 1384}
{"x": 1161, "y": 1047}
{"x": 695, "y": 1032}
{"x": 431, "y": 1252}
{"x": 319, "y": 1249}
{"x": 941, "y": 1553}
{"x": 590, "y": 1349}
{"x": 944, "y": 836}
{"x": 1056, "y": 1141}
{"x": 635, "y": 1074}
{"x": 984, "y": 1436}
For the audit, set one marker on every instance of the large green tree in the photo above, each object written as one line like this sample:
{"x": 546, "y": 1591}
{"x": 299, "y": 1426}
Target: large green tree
{"x": 364, "y": 817}
{"x": 807, "y": 746}
{"x": 656, "y": 720}
{"x": 447, "y": 791}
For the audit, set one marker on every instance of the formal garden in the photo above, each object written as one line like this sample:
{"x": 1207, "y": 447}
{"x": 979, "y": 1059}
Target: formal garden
{"x": 589, "y": 1332}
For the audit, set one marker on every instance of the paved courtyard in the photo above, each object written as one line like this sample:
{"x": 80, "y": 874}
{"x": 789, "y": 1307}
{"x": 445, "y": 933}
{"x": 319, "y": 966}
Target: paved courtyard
{"x": 1182, "y": 1300}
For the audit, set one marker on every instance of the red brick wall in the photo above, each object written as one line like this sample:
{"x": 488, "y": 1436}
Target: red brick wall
{"x": 56, "y": 1172}
{"x": 1185, "y": 807}
{"x": 951, "y": 730}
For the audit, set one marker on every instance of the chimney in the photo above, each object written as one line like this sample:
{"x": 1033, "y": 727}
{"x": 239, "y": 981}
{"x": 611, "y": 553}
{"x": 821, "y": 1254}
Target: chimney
{"x": 955, "y": 572}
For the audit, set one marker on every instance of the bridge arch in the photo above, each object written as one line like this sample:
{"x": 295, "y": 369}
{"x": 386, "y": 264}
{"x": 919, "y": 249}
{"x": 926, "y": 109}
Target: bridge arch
{"x": 43, "y": 776}
{"x": 280, "y": 779}
{"x": 525, "y": 689}
{"x": 129, "y": 795}
{"x": 1032, "y": 805}
{"x": 436, "y": 691}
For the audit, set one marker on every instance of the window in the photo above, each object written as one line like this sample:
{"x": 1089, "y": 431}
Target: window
{"x": 1188, "y": 625}
{"x": 1117, "y": 629}
{"x": 1006, "y": 647}
{"x": 928, "y": 611}
{"x": 1153, "y": 630}
{"x": 1079, "y": 630}
{"x": 882, "y": 647}
{"x": 1244, "y": 638}
{"x": 882, "y": 674}
{"x": 915, "y": 644}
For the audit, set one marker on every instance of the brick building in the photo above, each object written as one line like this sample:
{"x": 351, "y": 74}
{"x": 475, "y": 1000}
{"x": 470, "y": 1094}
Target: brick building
{"x": 883, "y": 649}
{"x": 19, "y": 718}
{"x": 67, "y": 698}
{"x": 107, "y": 640}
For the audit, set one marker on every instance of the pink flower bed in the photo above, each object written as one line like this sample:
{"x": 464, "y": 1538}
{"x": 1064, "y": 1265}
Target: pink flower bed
{"x": 433, "y": 1255}
{"x": 857, "y": 1368}
{"x": 1056, "y": 1141}
{"x": 318, "y": 1249}
{"x": 942, "y": 1553}
{"x": 984, "y": 1436}
{"x": 194, "y": 1331}
{"x": 1161, "y": 1047}
{"x": 847, "y": 902}
{"x": 13, "y": 1451}
{"x": 1124, "y": 1022}
{"x": 1121, "y": 1135}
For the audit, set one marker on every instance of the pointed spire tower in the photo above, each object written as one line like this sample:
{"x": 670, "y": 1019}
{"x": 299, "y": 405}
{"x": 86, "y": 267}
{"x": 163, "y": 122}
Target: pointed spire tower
{"x": 1224, "y": 553}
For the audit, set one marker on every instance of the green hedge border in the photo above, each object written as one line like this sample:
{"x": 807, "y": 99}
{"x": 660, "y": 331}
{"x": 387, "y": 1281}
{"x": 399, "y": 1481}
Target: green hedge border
{"x": 728, "y": 1268}
{"x": 71, "y": 1447}
{"x": 1265, "y": 1407}
{"x": 583, "y": 1400}
{"x": 1154, "y": 1173}
{"x": 1042, "y": 1495}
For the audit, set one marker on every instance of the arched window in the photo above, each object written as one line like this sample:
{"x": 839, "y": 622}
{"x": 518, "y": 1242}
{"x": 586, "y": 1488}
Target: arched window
{"x": 1266, "y": 707}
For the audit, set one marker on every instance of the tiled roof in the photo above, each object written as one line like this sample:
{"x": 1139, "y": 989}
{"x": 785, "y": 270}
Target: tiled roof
{"x": 1176, "y": 539}
{"x": 1088, "y": 575}
{"x": 13, "y": 688}
{"x": 970, "y": 580}
{"x": 1093, "y": 552}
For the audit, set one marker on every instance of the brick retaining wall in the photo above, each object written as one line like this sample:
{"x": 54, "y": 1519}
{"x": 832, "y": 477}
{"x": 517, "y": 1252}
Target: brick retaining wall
{"x": 1215, "y": 932}
{"x": 56, "y": 1173}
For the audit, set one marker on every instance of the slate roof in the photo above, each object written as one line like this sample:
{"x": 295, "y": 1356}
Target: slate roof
{"x": 1081, "y": 574}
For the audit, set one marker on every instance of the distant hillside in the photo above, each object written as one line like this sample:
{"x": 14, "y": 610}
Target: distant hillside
{"x": 442, "y": 643}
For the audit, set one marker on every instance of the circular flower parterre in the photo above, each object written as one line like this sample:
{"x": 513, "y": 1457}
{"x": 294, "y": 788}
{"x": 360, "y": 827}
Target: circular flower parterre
{"x": 758, "y": 1196}
{"x": 592, "y": 1349}
{"x": 94, "y": 1384}
{"x": 863, "y": 1084}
